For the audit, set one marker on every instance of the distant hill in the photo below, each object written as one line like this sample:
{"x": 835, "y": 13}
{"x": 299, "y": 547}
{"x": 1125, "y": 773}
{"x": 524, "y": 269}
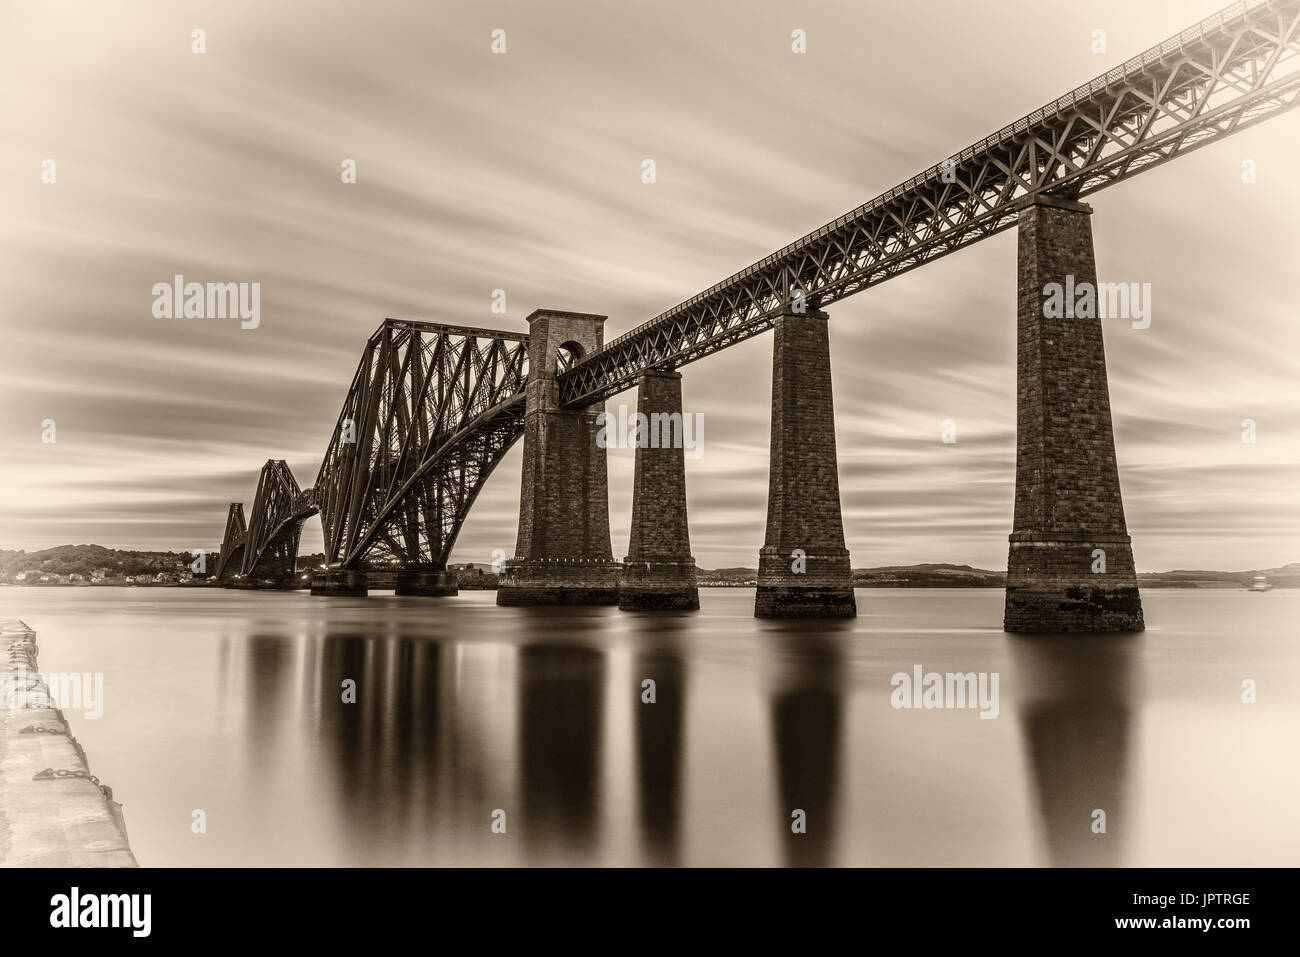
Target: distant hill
{"x": 946, "y": 575}
{"x": 1287, "y": 576}
{"x": 87, "y": 559}
{"x": 928, "y": 575}
{"x": 925, "y": 575}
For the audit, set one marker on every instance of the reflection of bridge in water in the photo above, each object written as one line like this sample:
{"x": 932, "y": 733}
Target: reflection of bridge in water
{"x": 549, "y": 725}
{"x": 433, "y": 408}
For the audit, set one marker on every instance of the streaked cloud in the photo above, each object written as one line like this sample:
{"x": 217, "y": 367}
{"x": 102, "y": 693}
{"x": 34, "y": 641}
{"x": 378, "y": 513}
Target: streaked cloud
{"x": 522, "y": 172}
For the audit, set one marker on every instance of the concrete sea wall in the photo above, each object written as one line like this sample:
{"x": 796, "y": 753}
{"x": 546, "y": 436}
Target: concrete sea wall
{"x": 53, "y": 812}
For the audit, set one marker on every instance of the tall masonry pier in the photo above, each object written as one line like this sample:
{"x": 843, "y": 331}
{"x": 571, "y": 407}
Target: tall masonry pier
{"x": 803, "y": 567}
{"x": 1070, "y": 566}
{"x": 659, "y": 572}
{"x": 563, "y": 554}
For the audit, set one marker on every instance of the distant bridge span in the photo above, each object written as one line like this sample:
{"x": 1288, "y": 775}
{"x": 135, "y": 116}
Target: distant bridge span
{"x": 267, "y": 547}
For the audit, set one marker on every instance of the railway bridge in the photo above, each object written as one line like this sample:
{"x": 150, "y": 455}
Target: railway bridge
{"x": 434, "y": 407}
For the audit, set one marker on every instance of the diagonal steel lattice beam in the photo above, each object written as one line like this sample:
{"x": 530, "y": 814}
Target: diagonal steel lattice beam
{"x": 279, "y": 509}
{"x": 432, "y": 410}
{"x": 1231, "y": 71}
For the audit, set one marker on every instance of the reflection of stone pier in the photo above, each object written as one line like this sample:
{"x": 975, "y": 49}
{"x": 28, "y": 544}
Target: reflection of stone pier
{"x": 807, "y": 718}
{"x": 53, "y": 813}
{"x": 1076, "y": 714}
{"x": 660, "y": 738}
{"x": 561, "y": 752}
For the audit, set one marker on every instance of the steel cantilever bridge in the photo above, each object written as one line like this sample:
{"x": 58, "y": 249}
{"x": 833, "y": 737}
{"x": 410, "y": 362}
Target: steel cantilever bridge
{"x": 433, "y": 408}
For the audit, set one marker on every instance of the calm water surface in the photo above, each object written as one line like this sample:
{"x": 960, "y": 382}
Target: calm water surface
{"x": 230, "y": 701}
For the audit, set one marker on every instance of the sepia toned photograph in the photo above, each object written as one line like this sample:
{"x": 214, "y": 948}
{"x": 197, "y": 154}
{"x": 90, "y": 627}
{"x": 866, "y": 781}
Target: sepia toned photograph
{"x": 522, "y": 435}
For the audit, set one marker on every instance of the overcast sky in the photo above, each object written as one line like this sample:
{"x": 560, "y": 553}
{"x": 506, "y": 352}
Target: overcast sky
{"x": 522, "y": 172}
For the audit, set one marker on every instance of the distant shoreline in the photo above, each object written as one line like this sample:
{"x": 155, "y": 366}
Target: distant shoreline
{"x": 95, "y": 565}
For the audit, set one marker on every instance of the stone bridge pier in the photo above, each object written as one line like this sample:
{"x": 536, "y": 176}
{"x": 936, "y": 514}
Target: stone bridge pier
{"x": 563, "y": 554}
{"x": 426, "y": 581}
{"x": 659, "y": 572}
{"x": 803, "y": 567}
{"x": 1070, "y": 566}
{"x": 340, "y": 583}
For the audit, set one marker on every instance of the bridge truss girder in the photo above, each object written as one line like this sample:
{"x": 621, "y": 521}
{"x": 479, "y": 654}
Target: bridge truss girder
{"x": 432, "y": 410}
